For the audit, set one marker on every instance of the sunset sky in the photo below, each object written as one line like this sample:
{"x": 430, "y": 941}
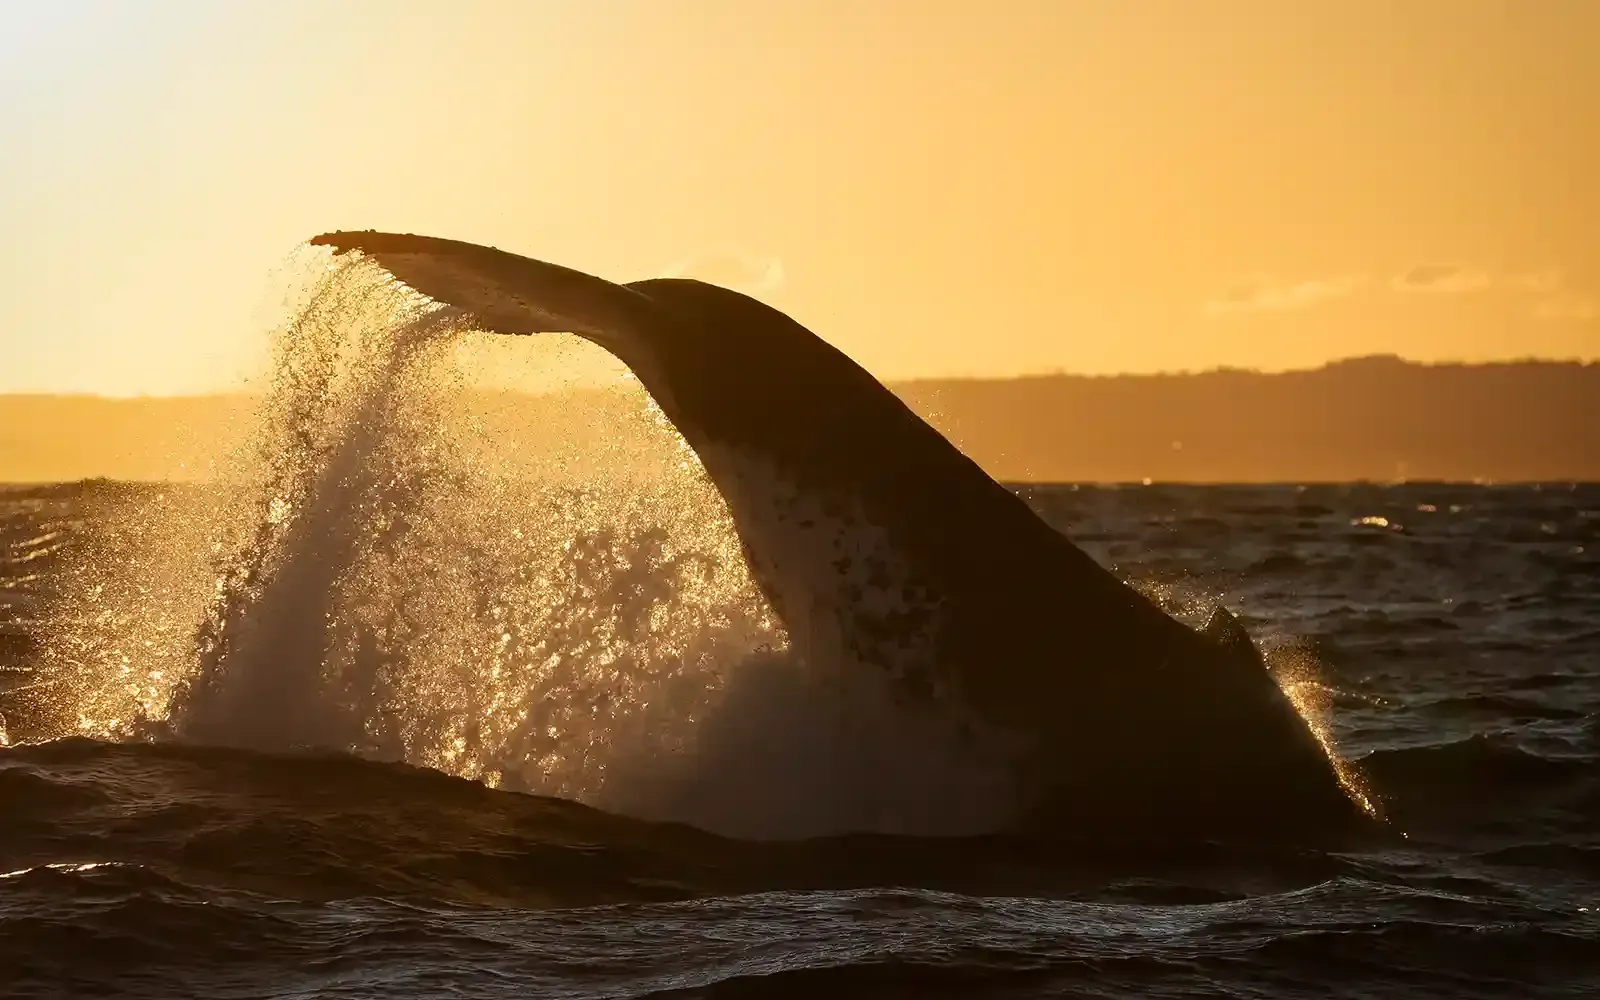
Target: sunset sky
{"x": 939, "y": 188}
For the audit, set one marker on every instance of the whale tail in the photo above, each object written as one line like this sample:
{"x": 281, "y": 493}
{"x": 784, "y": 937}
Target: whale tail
{"x": 506, "y": 293}
{"x": 879, "y": 543}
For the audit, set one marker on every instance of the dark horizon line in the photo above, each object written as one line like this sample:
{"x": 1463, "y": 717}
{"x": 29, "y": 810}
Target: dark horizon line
{"x": 1060, "y": 373}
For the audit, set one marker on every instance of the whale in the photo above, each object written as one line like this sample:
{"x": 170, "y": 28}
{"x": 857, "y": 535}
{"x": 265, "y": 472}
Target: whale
{"x": 880, "y": 545}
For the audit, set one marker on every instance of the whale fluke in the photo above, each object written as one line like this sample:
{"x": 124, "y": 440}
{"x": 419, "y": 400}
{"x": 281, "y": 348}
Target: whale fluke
{"x": 882, "y": 546}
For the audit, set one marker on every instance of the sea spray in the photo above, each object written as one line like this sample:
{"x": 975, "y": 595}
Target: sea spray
{"x": 260, "y": 677}
{"x": 376, "y": 571}
{"x": 394, "y": 568}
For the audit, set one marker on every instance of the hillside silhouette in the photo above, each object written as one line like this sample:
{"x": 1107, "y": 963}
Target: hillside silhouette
{"x": 1373, "y": 418}
{"x": 1376, "y": 418}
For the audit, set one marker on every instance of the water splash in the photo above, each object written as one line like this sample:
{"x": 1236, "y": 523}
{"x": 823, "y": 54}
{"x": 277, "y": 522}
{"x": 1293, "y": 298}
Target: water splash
{"x": 395, "y": 567}
{"x": 1300, "y": 674}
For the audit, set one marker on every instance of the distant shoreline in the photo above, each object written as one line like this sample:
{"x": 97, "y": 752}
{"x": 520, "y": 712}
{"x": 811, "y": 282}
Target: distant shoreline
{"x": 1376, "y": 420}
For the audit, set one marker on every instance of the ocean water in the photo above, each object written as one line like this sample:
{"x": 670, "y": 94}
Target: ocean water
{"x": 1459, "y": 638}
{"x": 395, "y": 707}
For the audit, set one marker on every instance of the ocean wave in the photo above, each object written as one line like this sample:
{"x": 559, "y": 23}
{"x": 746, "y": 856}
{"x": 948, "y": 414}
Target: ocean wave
{"x": 152, "y": 934}
{"x": 1495, "y": 760}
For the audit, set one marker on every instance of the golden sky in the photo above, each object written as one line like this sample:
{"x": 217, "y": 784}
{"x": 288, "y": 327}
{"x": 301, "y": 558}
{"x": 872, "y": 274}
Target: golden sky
{"x": 939, "y": 188}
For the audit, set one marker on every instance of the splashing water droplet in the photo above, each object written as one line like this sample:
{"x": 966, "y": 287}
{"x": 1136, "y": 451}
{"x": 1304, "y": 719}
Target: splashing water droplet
{"x": 335, "y": 587}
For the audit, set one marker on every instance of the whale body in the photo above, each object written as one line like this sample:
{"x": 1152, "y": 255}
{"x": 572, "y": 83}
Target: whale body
{"x": 880, "y": 544}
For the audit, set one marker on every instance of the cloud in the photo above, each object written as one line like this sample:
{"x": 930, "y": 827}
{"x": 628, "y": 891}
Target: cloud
{"x": 1538, "y": 282}
{"x": 1568, "y": 306}
{"x": 733, "y": 268}
{"x": 1554, "y": 300}
{"x": 1261, "y": 294}
{"x": 1557, "y": 301}
{"x": 1441, "y": 278}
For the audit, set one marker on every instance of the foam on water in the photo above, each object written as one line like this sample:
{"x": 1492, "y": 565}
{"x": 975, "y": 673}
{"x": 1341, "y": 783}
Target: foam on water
{"x": 379, "y": 571}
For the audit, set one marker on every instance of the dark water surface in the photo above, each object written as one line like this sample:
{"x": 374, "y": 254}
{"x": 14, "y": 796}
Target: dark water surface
{"x": 1458, "y": 629}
